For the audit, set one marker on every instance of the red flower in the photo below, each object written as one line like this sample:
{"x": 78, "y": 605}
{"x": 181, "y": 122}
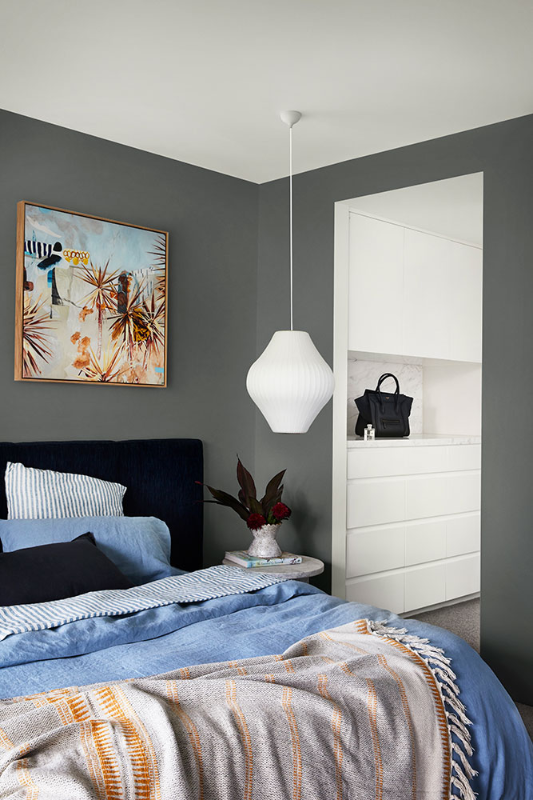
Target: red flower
{"x": 255, "y": 521}
{"x": 281, "y": 512}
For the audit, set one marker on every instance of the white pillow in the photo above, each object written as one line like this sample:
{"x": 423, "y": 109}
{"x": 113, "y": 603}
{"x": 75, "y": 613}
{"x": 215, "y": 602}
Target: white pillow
{"x": 44, "y": 494}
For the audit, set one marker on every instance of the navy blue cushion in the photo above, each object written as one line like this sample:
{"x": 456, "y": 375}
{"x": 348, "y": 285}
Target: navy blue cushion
{"x": 54, "y": 571}
{"x": 138, "y": 546}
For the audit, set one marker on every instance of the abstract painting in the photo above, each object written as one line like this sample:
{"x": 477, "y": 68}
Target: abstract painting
{"x": 91, "y": 299}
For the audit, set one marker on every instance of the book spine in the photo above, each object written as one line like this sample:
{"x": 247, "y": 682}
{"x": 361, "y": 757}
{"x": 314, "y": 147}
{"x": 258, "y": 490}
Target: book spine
{"x": 236, "y": 560}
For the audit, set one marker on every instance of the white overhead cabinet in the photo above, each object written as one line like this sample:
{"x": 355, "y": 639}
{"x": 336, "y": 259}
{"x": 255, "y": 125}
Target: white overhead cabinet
{"x": 465, "y": 271}
{"x": 376, "y": 285}
{"x": 427, "y": 296}
{"x": 413, "y": 293}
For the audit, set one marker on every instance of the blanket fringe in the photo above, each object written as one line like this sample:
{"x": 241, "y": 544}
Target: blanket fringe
{"x": 457, "y": 718}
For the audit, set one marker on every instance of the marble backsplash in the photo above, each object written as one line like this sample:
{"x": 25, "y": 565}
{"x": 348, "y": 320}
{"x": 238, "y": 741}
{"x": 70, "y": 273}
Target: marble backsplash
{"x": 364, "y": 375}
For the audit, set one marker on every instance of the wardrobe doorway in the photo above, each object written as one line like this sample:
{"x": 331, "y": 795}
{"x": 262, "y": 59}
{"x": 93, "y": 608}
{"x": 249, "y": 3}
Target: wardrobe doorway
{"x": 408, "y": 301}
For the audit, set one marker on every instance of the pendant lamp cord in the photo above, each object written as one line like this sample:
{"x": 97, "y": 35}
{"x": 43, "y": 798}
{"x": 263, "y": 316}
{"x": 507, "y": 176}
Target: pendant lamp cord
{"x": 290, "y": 225}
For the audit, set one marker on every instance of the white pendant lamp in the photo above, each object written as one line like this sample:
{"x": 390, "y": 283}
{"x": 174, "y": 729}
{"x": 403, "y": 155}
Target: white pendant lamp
{"x": 290, "y": 382}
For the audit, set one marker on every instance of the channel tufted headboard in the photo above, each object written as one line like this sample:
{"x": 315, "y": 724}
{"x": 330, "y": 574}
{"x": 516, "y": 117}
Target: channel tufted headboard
{"x": 159, "y": 474}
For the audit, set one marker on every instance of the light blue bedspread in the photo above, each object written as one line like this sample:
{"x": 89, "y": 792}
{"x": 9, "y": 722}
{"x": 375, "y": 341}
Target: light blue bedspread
{"x": 245, "y": 625}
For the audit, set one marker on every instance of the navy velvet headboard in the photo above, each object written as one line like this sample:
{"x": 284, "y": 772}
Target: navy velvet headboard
{"x": 159, "y": 474}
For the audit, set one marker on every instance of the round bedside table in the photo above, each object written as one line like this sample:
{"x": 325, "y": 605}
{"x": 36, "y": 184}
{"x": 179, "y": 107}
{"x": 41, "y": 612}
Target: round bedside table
{"x": 307, "y": 568}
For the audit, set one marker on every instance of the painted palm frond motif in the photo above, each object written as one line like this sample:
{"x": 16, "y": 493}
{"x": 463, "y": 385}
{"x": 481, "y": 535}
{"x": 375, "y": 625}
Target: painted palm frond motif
{"x": 103, "y": 294}
{"x": 161, "y": 285}
{"x": 36, "y": 339}
{"x": 159, "y": 254}
{"x": 106, "y": 368}
{"x": 100, "y": 286}
{"x": 154, "y": 316}
{"x": 159, "y": 251}
{"x": 129, "y": 324}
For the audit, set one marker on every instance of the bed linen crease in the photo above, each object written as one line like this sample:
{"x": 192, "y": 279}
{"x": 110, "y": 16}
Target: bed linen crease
{"x": 260, "y": 623}
{"x": 319, "y": 720}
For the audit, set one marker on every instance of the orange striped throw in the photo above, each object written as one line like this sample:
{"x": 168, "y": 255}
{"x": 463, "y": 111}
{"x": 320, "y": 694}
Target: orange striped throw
{"x": 359, "y": 711}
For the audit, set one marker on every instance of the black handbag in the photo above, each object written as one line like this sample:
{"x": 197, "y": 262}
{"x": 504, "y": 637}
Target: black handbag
{"x": 388, "y": 413}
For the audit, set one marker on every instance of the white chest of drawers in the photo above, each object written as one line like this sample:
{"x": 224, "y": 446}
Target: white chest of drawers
{"x": 413, "y": 521}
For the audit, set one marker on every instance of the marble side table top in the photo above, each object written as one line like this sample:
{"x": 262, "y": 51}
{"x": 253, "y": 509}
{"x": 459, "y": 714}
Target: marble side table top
{"x": 296, "y": 572}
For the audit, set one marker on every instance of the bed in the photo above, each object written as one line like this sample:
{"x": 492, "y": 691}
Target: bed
{"x": 262, "y": 687}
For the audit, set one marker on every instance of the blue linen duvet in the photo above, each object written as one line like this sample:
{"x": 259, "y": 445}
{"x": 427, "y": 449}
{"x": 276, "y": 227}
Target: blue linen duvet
{"x": 266, "y": 621}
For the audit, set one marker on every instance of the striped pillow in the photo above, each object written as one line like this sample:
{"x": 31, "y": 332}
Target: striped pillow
{"x": 44, "y": 494}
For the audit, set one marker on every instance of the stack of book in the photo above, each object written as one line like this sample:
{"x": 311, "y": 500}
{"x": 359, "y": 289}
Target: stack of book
{"x": 242, "y": 558}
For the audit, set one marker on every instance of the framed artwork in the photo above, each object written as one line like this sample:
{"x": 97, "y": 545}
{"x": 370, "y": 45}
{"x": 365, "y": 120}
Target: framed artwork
{"x": 91, "y": 299}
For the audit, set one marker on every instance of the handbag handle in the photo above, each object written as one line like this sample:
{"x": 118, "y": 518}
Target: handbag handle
{"x": 384, "y": 377}
{"x": 396, "y": 392}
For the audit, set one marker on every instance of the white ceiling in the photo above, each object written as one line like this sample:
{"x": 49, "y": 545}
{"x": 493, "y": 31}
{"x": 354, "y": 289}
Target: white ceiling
{"x": 451, "y": 208}
{"x": 203, "y": 81}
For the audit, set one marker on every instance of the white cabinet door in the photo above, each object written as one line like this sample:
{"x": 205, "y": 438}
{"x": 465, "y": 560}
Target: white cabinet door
{"x": 466, "y": 279}
{"x": 413, "y": 293}
{"x": 376, "y": 286}
{"x": 427, "y": 292}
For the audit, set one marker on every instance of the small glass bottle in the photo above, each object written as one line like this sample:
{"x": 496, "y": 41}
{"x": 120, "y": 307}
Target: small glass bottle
{"x": 369, "y": 433}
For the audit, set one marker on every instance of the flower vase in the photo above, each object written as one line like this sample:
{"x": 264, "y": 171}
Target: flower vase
{"x": 264, "y": 544}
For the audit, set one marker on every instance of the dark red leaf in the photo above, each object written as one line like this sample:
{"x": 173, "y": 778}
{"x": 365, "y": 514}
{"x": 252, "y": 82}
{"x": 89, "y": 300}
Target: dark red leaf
{"x": 225, "y": 499}
{"x": 246, "y": 482}
{"x": 273, "y": 492}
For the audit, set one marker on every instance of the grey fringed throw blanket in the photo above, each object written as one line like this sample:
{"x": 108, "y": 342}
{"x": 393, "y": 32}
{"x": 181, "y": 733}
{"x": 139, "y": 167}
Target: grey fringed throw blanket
{"x": 359, "y": 711}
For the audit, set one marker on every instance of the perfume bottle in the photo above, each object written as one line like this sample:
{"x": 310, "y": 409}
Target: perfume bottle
{"x": 369, "y": 433}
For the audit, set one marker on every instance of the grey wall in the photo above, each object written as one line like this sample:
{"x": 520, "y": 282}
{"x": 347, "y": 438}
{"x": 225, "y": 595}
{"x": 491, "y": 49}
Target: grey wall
{"x": 229, "y": 292}
{"x": 504, "y": 152}
{"x": 212, "y": 220}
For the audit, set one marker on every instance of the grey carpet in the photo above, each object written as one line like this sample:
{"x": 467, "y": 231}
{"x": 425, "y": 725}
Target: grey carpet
{"x": 463, "y": 620}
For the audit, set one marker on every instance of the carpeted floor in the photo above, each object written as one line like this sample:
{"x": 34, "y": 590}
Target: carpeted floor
{"x": 463, "y": 620}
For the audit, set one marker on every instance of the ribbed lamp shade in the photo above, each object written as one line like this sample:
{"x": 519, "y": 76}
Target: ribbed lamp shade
{"x": 290, "y": 382}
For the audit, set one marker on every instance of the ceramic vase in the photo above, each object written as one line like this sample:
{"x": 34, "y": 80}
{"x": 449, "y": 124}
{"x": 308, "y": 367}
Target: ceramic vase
{"x": 264, "y": 544}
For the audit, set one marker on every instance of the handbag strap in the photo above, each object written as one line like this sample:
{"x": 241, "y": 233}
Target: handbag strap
{"x": 396, "y": 393}
{"x": 384, "y": 377}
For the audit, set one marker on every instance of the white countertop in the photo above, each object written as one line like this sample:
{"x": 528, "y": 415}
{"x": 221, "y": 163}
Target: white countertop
{"x": 415, "y": 440}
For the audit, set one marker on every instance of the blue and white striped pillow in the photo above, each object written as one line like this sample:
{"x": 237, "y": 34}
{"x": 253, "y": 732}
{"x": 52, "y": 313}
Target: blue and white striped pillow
{"x": 44, "y": 494}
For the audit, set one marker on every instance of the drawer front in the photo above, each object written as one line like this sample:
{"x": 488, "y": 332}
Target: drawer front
{"x": 463, "y": 535}
{"x": 375, "y": 502}
{"x": 426, "y": 496}
{"x": 383, "y": 462}
{"x": 385, "y": 592}
{"x": 464, "y": 492}
{"x": 462, "y": 576}
{"x": 389, "y": 461}
{"x": 439, "y": 495}
{"x": 464, "y": 456}
{"x": 425, "y": 586}
{"x": 425, "y": 541}
{"x": 374, "y": 550}
{"x": 384, "y": 500}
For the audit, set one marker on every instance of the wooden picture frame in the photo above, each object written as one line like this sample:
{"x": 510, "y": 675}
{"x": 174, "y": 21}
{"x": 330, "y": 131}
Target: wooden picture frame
{"x": 91, "y": 299}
